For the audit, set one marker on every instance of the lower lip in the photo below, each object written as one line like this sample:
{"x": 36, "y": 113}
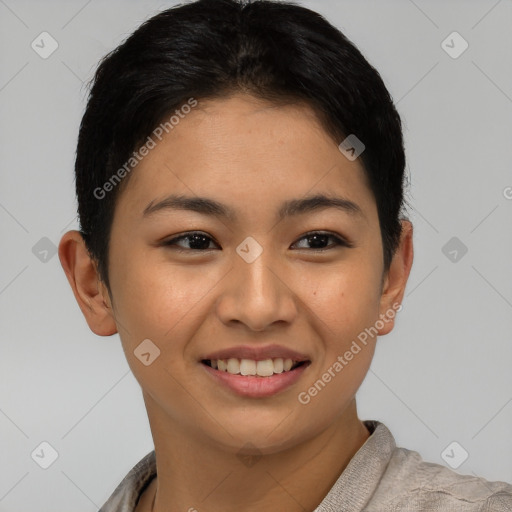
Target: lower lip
{"x": 257, "y": 387}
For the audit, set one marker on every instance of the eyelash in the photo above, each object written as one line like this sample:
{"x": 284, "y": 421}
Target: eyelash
{"x": 339, "y": 242}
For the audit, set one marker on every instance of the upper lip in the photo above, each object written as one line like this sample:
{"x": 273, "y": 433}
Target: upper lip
{"x": 256, "y": 353}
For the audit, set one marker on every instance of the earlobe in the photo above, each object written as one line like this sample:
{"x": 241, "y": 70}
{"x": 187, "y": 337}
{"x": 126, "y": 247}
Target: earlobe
{"x": 396, "y": 279}
{"x": 84, "y": 280}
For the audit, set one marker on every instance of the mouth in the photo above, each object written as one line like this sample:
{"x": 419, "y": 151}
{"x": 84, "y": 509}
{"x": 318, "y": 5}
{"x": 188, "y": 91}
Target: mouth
{"x": 251, "y": 367}
{"x": 255, "y": 373}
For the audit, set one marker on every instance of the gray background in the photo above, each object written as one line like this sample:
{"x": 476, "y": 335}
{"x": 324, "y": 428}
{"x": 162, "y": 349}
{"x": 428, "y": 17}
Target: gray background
{"x": 444, "y": 373}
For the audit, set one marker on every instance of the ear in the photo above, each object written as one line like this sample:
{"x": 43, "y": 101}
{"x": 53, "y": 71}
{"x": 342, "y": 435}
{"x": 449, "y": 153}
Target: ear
{"x": 396, "y": 279}
{"x": 90, "y": 292}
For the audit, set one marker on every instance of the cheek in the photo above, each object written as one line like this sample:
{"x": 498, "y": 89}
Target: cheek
{"x": 347, "y": 304}
{"x": 160, "y": 301}
{"x": 346, "y": 299}
{"x": 148, "y": 294}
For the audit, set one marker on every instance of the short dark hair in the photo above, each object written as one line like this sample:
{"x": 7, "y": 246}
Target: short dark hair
{"x": 207, "y": 49}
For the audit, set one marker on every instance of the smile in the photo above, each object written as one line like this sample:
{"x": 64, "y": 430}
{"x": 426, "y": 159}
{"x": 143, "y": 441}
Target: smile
{"x": 246, "y": 367}
{"x": 252, "y": 378}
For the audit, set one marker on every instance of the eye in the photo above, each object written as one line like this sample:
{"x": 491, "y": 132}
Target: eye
{"x": 198, "y": 241}
{"x": 318, "y": 240}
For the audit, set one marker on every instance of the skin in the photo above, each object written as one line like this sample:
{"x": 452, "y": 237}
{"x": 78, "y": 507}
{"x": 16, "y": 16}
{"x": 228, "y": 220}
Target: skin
{"x": 251, "y": 156}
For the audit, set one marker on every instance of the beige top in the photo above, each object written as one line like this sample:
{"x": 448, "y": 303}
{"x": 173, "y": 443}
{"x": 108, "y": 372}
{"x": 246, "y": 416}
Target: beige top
{"x": 380, "y": 477}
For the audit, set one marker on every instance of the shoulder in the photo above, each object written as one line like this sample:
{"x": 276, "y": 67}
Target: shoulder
{"x": 128, "y": 492}
{"x": 410, "y": 483}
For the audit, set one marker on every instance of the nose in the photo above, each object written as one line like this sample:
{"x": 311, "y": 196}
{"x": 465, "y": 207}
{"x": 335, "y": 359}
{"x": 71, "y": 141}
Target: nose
{"x": 257, "y": 294}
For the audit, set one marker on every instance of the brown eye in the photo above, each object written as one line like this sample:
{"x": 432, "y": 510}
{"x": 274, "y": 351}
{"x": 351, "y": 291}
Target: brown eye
{"x": 197, "y": 242}
{"x": 318, "y": 240}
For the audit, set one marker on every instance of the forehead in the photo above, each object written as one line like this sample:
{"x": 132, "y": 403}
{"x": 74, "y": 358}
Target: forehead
{"x": 244, "y": 149}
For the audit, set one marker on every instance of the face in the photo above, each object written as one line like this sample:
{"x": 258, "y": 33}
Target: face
{"x": 260, "y": 276}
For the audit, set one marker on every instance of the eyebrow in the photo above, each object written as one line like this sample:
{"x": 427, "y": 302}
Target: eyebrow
{"x": 288, "y": 208}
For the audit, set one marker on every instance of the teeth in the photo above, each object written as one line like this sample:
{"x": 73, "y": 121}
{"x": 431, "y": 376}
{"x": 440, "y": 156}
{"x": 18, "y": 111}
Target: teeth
{"x": 278, "y": 365}
{"x": 233, "y": 366}
{"x": 247, "y": 367}
{"x": 264, "y": 368}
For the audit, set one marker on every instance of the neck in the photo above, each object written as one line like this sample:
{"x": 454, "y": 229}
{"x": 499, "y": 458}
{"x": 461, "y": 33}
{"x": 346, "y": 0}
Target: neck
{"x": 194, "y": 475}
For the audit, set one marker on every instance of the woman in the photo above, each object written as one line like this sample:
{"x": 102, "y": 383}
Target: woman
{"x": 239, "y": 174}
